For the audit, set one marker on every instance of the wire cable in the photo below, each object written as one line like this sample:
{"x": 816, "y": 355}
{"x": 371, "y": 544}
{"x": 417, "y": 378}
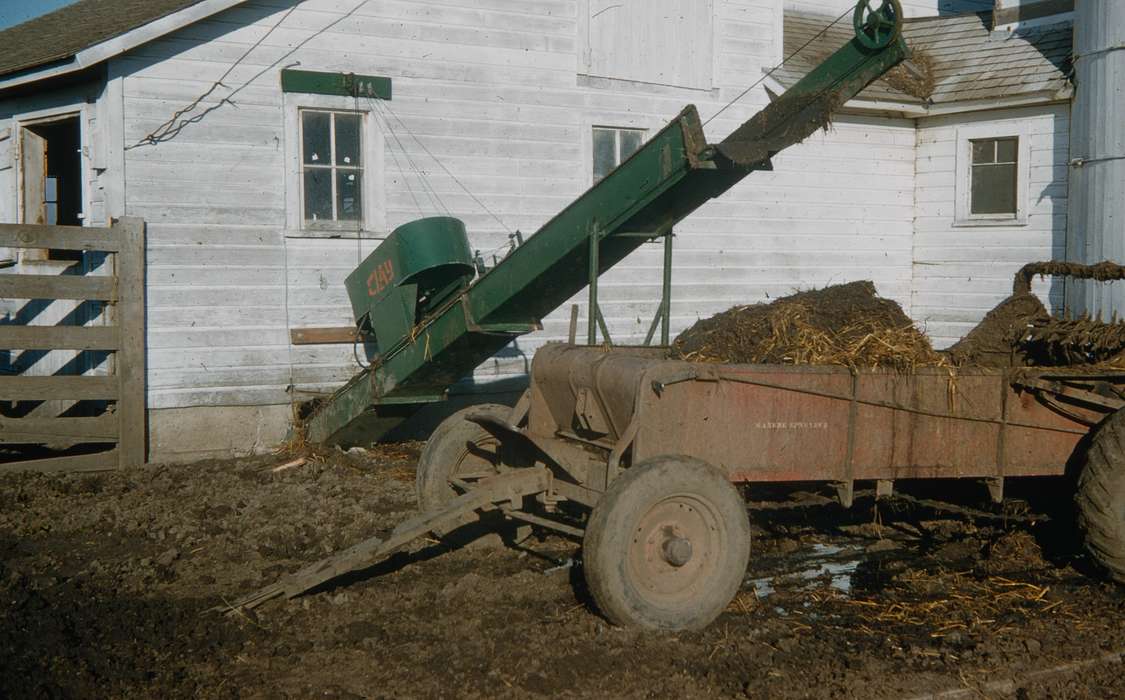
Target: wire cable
{"x": 427, "y": 184}
{"x": 447, "y": 171}
{"x": 398, "y": 165}
{"x": 783, "y": 62}
{"x": 167, "y": 133}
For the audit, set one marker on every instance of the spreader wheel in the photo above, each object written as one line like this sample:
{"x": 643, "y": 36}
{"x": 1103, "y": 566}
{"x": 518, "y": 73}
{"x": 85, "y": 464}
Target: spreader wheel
{"x": 458, "y": 448}
{"x": 667, "y": 545}
{"x": 1101, "y": 496}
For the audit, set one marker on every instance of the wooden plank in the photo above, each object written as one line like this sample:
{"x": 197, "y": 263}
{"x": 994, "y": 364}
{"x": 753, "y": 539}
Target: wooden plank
{"x": 57, "y": 287}
{"x": 131, "y": 414}
{"x": 76, "y": 388}
{"x": 324, "y": 336}
{"x": 59, "y": 337}
{"x": 59, "y": 237}
{"x": 33, "y": 176}
{"x": 101, "y": 461}
{"x": 96, "y": 429}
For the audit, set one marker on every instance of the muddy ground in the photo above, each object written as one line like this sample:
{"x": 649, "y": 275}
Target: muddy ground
{"x": 105, "y": 580}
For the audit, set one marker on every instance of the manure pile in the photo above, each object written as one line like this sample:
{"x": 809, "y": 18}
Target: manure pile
{"x": 845, "y": 324}
{"x": 850, "y": 325}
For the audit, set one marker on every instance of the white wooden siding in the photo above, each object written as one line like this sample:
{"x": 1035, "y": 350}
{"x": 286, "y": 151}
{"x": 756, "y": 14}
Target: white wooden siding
{"x": 669, "y": 42}
{"x": 912, "y": 8}
{"x": 960, "y": 272}
{"x": 492, "y": 90}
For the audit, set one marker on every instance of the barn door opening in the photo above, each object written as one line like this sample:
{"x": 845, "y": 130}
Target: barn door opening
{"x": 51, "y": 173}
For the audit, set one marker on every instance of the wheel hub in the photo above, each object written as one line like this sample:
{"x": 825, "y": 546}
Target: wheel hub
{"x": 677, "y": 551}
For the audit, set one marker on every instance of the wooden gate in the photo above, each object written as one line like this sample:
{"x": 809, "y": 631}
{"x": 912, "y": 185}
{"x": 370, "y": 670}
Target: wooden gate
{"x": 102, "y": 424}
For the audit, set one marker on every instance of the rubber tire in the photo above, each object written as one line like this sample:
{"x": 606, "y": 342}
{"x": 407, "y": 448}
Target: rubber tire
{"x": 617, "y": 514}
{"x": 1101, "y": 497}
{"x": 446, "y": 451}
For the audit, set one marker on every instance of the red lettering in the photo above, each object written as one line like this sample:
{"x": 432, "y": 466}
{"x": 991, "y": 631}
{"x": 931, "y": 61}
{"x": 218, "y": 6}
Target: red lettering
{"x": 380, "y": 277}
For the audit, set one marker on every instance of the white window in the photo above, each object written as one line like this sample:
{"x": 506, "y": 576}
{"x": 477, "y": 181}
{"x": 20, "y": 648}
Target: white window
{"x": 334, "y": 180}
{"x": 992, "y": 175}
{"x": 668, "y": 42}
{"x": 611, "y": 146}
{"x": 331, "y": 167}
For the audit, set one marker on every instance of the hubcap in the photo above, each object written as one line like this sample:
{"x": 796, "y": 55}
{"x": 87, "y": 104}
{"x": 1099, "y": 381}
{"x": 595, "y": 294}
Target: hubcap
{"x": 675, "y": 549}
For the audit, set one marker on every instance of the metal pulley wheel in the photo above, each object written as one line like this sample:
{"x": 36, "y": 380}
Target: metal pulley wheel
{"x": 877, "y": 27}
{"x": 667, "y": 545}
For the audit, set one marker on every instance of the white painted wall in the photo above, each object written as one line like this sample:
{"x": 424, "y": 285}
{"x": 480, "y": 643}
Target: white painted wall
{"x": 494, "y": 91}
{"x": 960, "y": 272}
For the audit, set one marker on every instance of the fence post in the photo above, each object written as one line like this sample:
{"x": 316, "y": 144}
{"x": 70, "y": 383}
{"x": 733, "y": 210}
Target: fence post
{"x": 130, "y": 366}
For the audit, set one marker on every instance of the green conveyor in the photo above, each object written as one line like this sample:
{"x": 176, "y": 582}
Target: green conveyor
{"x": 668, "y": 178}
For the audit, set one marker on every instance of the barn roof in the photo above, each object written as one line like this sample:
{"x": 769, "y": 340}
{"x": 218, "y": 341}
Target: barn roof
{"x": 957, "y": 58}
{"x": 62, "y": 34}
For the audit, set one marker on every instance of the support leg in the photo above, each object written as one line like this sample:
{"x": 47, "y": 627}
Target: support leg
{"x": 592, "y": 313}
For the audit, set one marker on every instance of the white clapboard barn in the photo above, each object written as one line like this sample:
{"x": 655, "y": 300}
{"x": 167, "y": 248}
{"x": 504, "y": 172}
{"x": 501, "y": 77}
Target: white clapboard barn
{"x": 231, "y": 127}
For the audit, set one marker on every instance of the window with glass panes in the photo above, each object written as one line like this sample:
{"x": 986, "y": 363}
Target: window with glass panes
{"x": 331, "y": 167}
{"x": 612, "y": 146}
{"x": 994, "y": 176}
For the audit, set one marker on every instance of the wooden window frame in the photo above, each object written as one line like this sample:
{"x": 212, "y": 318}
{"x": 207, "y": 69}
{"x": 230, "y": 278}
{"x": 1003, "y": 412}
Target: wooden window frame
{"x": 616, "y": 143}
{"x": 332, "y": 167}
{"x": 965, "y": 136}
{"x": 373, "y": 224}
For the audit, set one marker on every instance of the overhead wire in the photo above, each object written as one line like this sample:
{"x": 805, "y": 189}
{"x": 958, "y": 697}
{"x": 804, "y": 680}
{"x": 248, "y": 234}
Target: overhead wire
{"x": 770, "y": 72}
{"x": 171, "y": 129}
{"x": 402, "y": 170}
{"x": 426, "y": 183}
{"x": 446, "y": 170}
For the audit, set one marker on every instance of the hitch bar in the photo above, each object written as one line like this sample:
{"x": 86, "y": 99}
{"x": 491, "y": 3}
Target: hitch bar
{"x": 504, "y": 491}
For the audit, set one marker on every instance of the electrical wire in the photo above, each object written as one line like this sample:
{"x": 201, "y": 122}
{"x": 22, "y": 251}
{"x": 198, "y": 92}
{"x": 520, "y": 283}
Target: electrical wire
{"x": 427, "y": 184}
{"x": 447, "y": 171}
{"x": 171, "y": 129}
{"x": 401, "y": 169}
{"x": 779, "y": 65}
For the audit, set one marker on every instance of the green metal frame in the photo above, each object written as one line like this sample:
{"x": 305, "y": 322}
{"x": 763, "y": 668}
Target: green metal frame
{"x": 669, "y": 177}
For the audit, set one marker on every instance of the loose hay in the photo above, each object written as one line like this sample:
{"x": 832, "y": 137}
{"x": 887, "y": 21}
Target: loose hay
{"x": 915, "y": 77}
{"x": 847, "y": 324}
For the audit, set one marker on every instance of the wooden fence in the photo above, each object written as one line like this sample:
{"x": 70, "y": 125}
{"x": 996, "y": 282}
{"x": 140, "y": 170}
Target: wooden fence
{"x": 118, "y": 432}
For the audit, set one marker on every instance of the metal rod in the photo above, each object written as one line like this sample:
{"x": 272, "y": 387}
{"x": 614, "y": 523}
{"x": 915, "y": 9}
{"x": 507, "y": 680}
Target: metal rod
{"x": 592, "y": 314}
{"x": 656, "y": 319}
{"x": 572, "y": 334}
{"x": 603, "y": 326}
{"x": 543, "y": 522}
{"x": 666, "y": 292}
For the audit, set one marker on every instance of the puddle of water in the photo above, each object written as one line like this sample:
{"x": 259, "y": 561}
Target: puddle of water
{"x": 803, "y": 570}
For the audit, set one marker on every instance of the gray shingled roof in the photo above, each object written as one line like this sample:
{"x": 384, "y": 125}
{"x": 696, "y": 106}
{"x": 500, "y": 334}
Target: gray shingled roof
{"x": 970, "y": 63}
{"x": 965, "y": 60}
{"x": 61, "y": 34}
{"x": 800, "y": 28}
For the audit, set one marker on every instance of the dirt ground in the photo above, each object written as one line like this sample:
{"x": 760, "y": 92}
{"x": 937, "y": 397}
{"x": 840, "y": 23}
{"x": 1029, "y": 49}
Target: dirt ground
{"x": 105, "y": 581}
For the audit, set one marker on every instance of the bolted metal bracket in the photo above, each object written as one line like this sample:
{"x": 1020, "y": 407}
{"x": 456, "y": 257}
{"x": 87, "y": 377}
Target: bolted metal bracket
{"x": 845, "y": 492}
{"x": 884, "y": 488}
{"x": 995, "y": 488}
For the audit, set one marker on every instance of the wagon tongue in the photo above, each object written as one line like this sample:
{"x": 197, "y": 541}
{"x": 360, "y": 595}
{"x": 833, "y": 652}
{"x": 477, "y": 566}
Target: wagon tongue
{"x": 486, "y": 494}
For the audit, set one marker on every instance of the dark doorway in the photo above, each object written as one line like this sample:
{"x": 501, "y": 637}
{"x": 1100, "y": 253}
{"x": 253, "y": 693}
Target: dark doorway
{"x": 51, "y": 155}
